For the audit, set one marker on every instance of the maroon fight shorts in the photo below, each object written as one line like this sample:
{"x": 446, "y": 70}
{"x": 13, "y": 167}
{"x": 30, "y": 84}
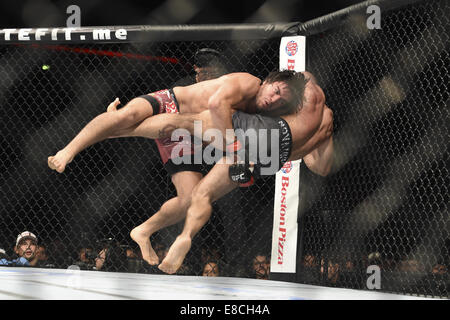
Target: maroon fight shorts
{"x": 164, "y": 101}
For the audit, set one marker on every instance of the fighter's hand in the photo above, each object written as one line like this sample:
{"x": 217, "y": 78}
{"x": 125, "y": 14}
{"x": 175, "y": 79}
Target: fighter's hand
{"x": 242, "y": 173}
{"x": 113, "y": 105}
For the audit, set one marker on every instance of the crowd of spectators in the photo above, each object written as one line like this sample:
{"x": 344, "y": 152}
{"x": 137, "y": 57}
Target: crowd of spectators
{"x": 111, "y": 256}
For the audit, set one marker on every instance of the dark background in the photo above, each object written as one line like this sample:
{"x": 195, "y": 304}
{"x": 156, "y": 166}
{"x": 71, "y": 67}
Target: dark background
{"x": 46, "y": 13}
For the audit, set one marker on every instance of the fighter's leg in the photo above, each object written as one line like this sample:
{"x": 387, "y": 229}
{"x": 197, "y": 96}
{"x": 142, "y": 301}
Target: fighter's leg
{"x": 113, "y": 105}
{"x": 212, "y": 187}
{"x": 101, "y": 127}
{"x": 171, "y": 212}
{"x": 163, "y": 125}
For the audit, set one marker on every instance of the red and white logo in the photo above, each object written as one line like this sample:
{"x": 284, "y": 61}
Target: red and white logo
{"x": 287, "y": 167}
{"x": 291, "y": 64}
{"x": 291, "y": 48}
{"x": 171, "y": 108}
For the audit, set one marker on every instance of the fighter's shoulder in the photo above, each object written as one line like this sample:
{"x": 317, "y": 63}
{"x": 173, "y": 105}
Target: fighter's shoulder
{"x": 243, "y": 82}
{"x": 309, "y": 76}
{"x": 241, "y": 77}
{"x": 313, "y": 92}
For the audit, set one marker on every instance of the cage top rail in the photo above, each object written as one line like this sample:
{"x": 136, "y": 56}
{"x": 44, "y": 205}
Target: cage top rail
{"x": 146, "y": 33}
{"x": 171, "y": 33}
{"x": 335, "y": 19}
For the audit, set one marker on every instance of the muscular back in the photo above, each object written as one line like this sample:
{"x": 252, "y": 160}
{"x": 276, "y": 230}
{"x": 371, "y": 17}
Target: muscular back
{"x": 306, "y": 122}
{"x": 238, "y": 89}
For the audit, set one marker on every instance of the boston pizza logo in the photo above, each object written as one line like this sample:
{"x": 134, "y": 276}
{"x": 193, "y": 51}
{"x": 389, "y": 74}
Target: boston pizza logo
{"x": 287, "y": 167}
{"x": 291, "y": 48}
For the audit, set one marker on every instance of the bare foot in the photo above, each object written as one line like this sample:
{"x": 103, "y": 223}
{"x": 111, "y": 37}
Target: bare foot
{"x": 59, "y": 161}
{"x": 148, "y": 254}
{"x": 174, "y": 259}
{"x": 113, "y": 105}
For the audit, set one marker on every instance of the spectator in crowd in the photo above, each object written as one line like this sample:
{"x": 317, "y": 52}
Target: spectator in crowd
{"x": 58, "y": 254}
{"x": 439, "y": 275}
{"x": 130, "y": 253}
{"x": 261, "y": 266}
{"x": 41, "y": 260}
{"x": 25, "y": 249}
{"x": 332, "y": 271}
{"x": 211, "y": 269}
{"x": 375, "y": 258}
{"x": 310, "y": 272}
{"x": 410, "y": 266}
{"x": 439, "y": 269}
{"x": 112, "y": 257}
{"x": 442, "y": 263}
{"x": 86, "y": 258}
{"x": 41, "y": 254}
{"x": 134, "y": 261}
{"x": 309, "y": 261}
{"x": 161, "y": 251}
{"x": 351, "y": 276}
{"x": 4, "y": 258}
{"x": 210, "y": 254}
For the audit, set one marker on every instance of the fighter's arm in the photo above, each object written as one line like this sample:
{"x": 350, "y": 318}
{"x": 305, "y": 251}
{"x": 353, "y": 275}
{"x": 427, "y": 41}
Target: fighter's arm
{"x": 220, "y": 107}
{"x": 234, "y": 92}
{"x": 320, "y": 159}
{"x": 310, "y": 77}
{"x": 308, "y": 120}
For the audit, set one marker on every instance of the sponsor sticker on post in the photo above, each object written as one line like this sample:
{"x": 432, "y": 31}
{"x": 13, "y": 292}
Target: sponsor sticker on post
{"x": 292, "y": 53}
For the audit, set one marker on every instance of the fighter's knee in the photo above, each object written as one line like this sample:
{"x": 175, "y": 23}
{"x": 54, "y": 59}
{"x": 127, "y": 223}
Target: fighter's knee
{"x": 184, "y": 202}
{"x": 166, "y": 131}
{"x": 200, "y": 195}
{"x": 131, "y": 113}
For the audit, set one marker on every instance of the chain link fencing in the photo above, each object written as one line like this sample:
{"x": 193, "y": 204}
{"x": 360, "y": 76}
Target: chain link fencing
{"x": 386, "y": 203}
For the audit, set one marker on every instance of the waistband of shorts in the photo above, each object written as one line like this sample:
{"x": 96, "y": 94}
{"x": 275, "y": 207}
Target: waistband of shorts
{"x": 174, "y": 98}
{"x": 285, "y": 141}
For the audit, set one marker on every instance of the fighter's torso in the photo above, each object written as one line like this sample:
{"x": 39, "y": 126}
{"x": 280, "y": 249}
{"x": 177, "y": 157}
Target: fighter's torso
{"x": 194, "y": 98}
